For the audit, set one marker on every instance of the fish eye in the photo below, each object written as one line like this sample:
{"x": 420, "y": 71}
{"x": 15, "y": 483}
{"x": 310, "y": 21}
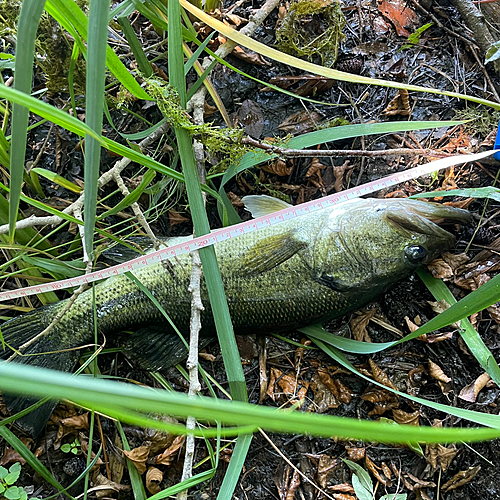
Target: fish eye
{"x": 415, "y": 254}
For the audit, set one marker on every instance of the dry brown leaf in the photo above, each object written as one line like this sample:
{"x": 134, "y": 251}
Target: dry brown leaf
{"x": 386, "y": 470}
{"x": 344, "y": 488}
{"x": 422, "y": 495}
{"x": 250, "y": 57}
{"x": 437, "y": 454}
{"x": 326, "y": 467}
{"x": 138, "y": 457}
{"x": 470, "y": 392}
{"x": 263, "y": 380}
{"x": 411, "y": 325}
{"x": 382, "y": 400}
{"x": 461, "y": 478}
{"x": 167, "y": 457}
{"x": 278, "y": 167}
{"x": 436, "y": 337}
{"x": 338, "y": 173}
{"x": 420, "y": 483}
{"x": 359, "y": 322}
{"x": 324, "y": 399}
{"x": 375, "y": 470}
{"x": 440, "y": 269}
{"x": 337, "y": 388}
{"x": 285, "y": 485}
{"x": 109, "y": 486}
{"x": 355, "y": 454}
{"x": 301, "y": 122}
{"x": 455, "y": 261}
{"x": 291, "y": 387}
{"x": 399, "y": 105}
{"x": 235, "y": 200}
{"x": 437, "y": 373}
{"x": 343, "y": 496}
{"x": 76, "y": 421}
{"x": 175, "y": 218}
{"x": 154, "y": 477}
{"x": 403, "y": 417}
{"x": 10, "y": 455}
{"x": 380, "y": 376}
{"x": 116, "y": 463}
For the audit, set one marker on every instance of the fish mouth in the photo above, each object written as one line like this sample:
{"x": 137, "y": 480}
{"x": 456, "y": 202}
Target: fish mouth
{"x": 417, "y": 217}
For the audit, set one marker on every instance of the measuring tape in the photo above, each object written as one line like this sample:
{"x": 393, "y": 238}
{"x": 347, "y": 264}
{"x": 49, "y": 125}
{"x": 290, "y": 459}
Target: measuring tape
{"x": 246, "y": 227}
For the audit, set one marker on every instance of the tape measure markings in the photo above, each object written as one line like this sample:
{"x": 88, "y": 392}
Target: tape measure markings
{"x": 248, "y": 226}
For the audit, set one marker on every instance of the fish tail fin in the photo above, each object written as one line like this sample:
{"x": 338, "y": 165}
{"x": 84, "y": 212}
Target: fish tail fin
{"x": 157, "y": 349}
{"x": 45, "y": 352}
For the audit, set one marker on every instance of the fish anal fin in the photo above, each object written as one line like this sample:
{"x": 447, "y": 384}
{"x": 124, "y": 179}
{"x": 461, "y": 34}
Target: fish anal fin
{"x": 271, "y": 252}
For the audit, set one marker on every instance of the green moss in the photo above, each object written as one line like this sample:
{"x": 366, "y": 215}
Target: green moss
{"x": 312, "y": 27}
{"x": 53, "y": 48}
{"x": 482, "y": 120}
{"x": 223, "y": 145}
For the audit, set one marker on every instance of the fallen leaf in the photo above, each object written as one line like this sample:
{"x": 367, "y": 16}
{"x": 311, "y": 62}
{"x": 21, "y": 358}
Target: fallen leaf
{"x": 326, "y": 467}
{"x": 154, "y": 477}
{"x": 375, "y": 470}
{"x": 437, "y": 454}
{"x": 175, "y": 218}
{"x": 138, "y": 457}
{"x": 166, "y": 458}
{"x": 294, "y": 389}
{"x": 440, "y": 269}
{"x": 436, "y": 372}
{"x": 76, "y": 421}
{"x": 441, "y": 306}
{"x": 344, "y": 488}
{"x": 250, "y": 57}
{"x": 399, "y": 105}
{"x": 250, "y": 116}
{"x": 402, "y": 417}
{"x": 301, "y": 122}
{"x": 355, "y": 454}
{"x": 277, "y": 167}
{"x": 380, "y": 376}
{"x": 359, "y": 322}
{"x": 461, "y": 478}
{"x": 470, "y": 392}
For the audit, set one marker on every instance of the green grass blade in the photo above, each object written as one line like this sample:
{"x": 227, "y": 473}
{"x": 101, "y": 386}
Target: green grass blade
{"x": 136, "y": 47}
{"x": 476, "y": 301}
{"x": 213, "y": 278}
{"x": 29, "y": 18}
{"x": 484, "y": 192}
{"x": 134, "y": 196}
{"x": 90, "y": 392}
{"x": 135, "y": 477}
{"x": 469, "y": 334}
{"x": 96, "y": 69}
{"x": 57, "y": 179}
{"x": 473, "y": 416}
{"x": 232, "y": 475}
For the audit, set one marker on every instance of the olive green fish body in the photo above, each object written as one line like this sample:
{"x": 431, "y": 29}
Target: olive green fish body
{"x": 302, "y": 271}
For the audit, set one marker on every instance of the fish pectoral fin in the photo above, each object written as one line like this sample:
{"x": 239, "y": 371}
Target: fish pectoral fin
{"x": 271, "y": 252}
{"x": 334, "y": 283}
{"x": 260, "y": 205}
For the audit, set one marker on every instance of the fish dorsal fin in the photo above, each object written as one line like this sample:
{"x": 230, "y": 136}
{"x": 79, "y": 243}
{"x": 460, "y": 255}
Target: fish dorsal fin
{"x": 260, "y": 205}
{"x": 271, "y": 252}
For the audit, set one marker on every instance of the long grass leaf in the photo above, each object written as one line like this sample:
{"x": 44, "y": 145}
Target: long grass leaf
{"x": 276, "y": 55}
{"x": 136, "y": 47}
{"x": 232, "y": 475}
{"x": 89, "y": 392}
{"x": 96, "y": 69}
{"x": 29, "y": 18}
{"x": 468, "y": 332}
{"x": 213, "y": 278}
{"x": 476, "y": 301}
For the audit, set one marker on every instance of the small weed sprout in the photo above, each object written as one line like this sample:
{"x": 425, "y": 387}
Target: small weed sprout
{"x": 73, "y": 447}
{"x": 7, "y": 480}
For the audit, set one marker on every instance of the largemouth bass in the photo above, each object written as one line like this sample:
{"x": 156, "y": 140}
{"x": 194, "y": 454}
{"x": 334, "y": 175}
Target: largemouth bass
{"x": 302, "y": 271}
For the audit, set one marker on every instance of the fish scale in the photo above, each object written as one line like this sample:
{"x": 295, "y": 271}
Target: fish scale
{"x": 303, "y": 271}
